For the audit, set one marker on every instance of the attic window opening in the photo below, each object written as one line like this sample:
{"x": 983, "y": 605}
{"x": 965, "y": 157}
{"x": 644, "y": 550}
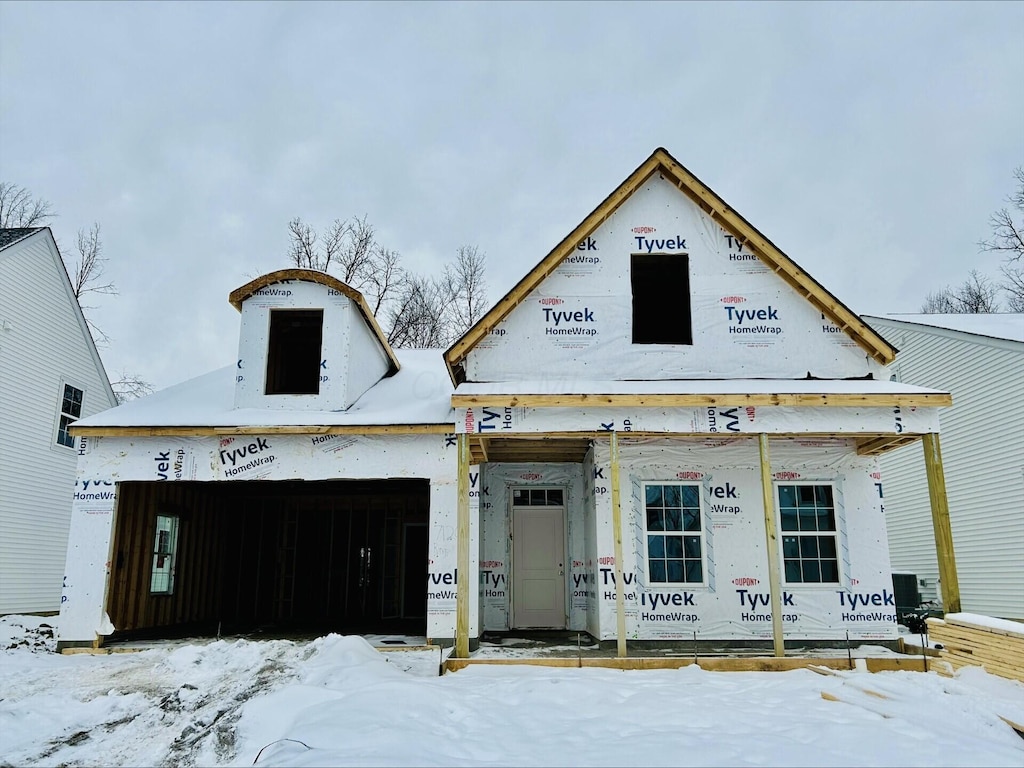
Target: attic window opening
{"x": 661, "y": 298}
{"x": 293, "y": 353}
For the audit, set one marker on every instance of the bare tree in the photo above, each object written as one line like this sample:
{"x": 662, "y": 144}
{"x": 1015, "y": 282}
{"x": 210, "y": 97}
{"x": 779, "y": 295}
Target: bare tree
{"x": 1008, "y": 235}
{"x": 976, "y": 295}
{"x": 19, "y": 208}
{"x": 415, "y": 310}
{"x": 1013, "y": 285}
{"x": 466, "y": 288}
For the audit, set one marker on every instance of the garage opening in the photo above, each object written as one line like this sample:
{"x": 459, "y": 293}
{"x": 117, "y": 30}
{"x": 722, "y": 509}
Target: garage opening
{"x": 236, "y": 557}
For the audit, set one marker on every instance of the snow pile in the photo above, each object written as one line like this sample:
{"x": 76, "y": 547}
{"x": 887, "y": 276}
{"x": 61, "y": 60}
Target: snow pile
{"x": 336, "y": 701}
{"x": 34, "y": 633}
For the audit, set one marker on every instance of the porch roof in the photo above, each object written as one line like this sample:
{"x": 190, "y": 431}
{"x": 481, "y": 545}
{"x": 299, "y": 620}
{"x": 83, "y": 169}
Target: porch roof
{"x": 414, "y": 400}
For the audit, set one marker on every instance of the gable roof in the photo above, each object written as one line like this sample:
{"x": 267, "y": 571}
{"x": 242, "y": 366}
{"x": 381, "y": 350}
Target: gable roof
{"x": 239, "y": 295}
{"x": 671, "y": 169}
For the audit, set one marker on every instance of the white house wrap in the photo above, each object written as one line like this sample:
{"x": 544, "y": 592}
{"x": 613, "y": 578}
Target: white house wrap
{"x": 665, "y": 369}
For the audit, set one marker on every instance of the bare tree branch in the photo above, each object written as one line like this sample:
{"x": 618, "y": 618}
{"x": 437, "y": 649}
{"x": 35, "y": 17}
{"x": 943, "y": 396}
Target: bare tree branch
{"x": 18, "y": 208}
{"x": 976, "y": 295}
{"x": 130, "y": 387}
{"x": 1008, "y": 235}
{"x": 1013, "y": 286}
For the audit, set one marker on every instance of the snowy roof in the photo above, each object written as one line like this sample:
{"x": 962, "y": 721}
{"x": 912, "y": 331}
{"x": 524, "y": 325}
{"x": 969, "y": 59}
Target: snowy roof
{"x": 419, "y": 393}
{"x": 695, "y": 387}
{"x": 1005, "y": 325}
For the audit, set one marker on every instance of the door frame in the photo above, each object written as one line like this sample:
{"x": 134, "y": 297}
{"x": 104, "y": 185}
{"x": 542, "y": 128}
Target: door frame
{"x": 565, "y": 547}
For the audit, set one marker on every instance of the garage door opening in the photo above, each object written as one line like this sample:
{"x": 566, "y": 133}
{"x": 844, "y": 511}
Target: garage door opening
{"x": 282, "y": 557}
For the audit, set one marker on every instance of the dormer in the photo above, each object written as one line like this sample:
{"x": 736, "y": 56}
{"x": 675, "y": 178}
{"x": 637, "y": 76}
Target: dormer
{"x": 307, "y": 342}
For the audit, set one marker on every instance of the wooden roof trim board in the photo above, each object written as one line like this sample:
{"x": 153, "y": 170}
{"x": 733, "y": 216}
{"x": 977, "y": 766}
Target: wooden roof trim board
{"x": 727, "y": 218}
{"x": 237, "y": 296}
{"x": 313, "y": 429}
{"x": 833, "y": 399}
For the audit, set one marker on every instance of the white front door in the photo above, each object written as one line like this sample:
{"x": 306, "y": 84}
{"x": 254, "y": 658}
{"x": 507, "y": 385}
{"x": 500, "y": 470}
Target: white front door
{"x": 538, "y": 559}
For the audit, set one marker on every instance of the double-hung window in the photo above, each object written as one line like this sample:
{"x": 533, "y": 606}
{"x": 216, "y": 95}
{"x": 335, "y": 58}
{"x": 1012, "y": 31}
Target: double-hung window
{"x": 675, "y": 550}
{"x": 807, "y": 516}
{"x": 70, "y": 412}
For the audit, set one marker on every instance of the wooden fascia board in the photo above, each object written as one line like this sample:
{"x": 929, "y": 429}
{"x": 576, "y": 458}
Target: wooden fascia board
{"x": 237, "y": 296}
{"x": 185, "y": 431}
{"x": 458, "y": 351}
{"x": 914, "y": 400}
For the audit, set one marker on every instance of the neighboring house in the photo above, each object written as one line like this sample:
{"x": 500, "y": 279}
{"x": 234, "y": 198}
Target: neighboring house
{"x": 979, "y": 358}
{"x": 666, "y": 431}
{"x": 50, "y": 376}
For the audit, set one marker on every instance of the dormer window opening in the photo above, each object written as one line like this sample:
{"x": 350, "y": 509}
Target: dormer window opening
{"x": 293, "y": 353}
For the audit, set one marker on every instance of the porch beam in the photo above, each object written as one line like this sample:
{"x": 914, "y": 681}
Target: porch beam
{"x": 772, "y": 541}
{"x": 940, "y": 522}
{"x": 620, "y": 599}
{"x": 801, "y": 399}
{"x": 462, "y": 580}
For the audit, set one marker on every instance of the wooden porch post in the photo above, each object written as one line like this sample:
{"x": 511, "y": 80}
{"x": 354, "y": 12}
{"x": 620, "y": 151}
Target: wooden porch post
{"x": 620, "y": 601}
{"x": 940, "y": 522}
{"x": 772, "y": 540}
{"x": 462, "y": 543}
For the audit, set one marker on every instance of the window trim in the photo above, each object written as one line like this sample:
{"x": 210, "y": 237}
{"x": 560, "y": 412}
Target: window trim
{"x": 703, "y": 537}
{"x": 62, "y": 414}
{"x": 838, "y": 533}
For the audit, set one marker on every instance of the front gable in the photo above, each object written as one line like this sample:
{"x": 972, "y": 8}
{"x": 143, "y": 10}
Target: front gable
{"x": 664, "y": 281}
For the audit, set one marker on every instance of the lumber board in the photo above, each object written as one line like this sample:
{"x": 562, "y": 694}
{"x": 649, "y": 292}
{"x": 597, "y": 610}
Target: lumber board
{"x": 956, "y": 621}
{"x": 822, "y": 399}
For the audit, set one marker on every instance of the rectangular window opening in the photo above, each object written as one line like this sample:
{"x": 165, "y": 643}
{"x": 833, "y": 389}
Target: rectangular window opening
{"x": 661, "y": 298}
{"x": 293, "y": 351}
{"x": 807, "y": 517}
{"x": 674, "y": 532}
{"x": 165, "y": 549}
{"x": 70, "y": 412}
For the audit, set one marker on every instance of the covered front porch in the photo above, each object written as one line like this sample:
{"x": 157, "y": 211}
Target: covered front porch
{"x": 574, "y": 522}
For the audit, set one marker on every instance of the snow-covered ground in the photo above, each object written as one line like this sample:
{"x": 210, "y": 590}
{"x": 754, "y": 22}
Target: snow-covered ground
{"x": 337, "y": 701}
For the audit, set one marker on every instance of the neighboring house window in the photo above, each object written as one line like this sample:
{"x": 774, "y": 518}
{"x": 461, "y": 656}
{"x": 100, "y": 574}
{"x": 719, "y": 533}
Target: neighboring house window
{"x": 675, "y": 551}
{"x": 293, "y": 353}
{"x": 165, "y": 548}
{"x": 661, "y": 298}
{"x": 70, "y": 412}
{"x": 807, "y": 517}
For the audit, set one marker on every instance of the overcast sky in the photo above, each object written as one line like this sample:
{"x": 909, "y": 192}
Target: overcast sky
{"x": 869, "y": 141}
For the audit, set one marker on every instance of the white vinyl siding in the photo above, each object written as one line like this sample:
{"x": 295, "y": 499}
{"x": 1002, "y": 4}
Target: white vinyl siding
{"x": 43, "y": 344}
{"x": 982, "y": 442}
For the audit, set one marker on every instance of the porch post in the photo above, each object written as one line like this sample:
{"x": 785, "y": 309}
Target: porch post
{"x": 772, "y": 540}
{"x": 940, "y": 522}
{"x": 462, "y": 580}
{"x": 620, "y": 601}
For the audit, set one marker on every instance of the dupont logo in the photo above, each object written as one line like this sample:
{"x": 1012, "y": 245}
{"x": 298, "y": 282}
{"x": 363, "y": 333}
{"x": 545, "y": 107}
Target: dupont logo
{"x": 550, "y": 302}
{"x": 644, "y": 230}
{"x": 606, "y": 560}
{"x": 732, "y": 299}
{"x": 786, "y": 475}
{"x": 745, "y": 581}
{"x": 529, "y": 476}
{"x": 750, "y": 411}
{"x": 689, "y": 475}
{"x": 876, "y": 475}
